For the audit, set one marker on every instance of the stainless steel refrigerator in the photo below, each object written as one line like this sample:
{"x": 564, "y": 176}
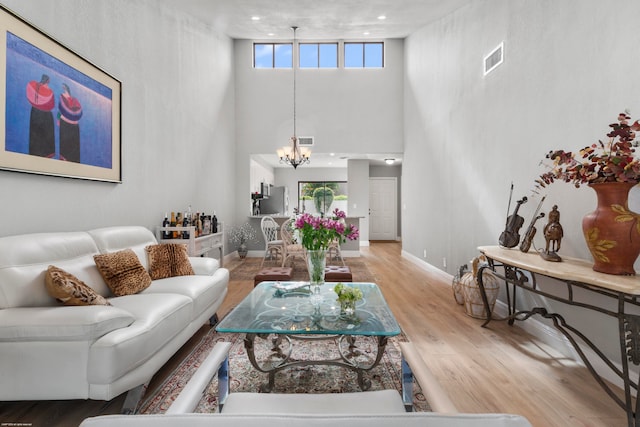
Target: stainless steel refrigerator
{"x": 277, "y": 203}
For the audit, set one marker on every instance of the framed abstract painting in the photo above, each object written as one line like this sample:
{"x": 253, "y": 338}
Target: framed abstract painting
{"x": 59, "y": 114}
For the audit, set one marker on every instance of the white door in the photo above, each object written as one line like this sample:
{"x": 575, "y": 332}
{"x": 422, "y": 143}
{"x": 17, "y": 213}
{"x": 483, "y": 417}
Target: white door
{"x": 383, "y": 204}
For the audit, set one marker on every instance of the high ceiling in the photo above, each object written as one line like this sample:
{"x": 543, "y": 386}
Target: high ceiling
{"x": 319, "y": 20}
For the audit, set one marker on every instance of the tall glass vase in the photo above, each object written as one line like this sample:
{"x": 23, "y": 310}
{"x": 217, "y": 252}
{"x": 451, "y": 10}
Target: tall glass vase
{"x": 316, "y": 263}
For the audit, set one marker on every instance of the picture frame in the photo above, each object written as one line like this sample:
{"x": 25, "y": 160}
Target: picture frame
{"x": 60, "y": 115}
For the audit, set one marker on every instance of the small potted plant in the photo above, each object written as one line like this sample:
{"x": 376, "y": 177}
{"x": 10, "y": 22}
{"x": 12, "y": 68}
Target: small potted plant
{"x": 241, "y": 235}
{"x": 347, "y": 297}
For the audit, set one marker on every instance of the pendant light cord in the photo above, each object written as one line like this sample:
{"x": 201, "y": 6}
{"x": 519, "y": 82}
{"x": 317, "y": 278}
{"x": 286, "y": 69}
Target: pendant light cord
{"x": 293, "y": 64}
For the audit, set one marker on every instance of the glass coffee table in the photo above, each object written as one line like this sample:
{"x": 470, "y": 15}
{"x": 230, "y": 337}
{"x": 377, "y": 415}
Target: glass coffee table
{"x": 281, "y": 313}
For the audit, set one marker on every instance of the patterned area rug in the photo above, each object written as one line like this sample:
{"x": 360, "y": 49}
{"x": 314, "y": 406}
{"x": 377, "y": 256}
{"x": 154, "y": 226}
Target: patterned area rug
{"x": 307, "y": 379}
{"x": 250, "y": 266}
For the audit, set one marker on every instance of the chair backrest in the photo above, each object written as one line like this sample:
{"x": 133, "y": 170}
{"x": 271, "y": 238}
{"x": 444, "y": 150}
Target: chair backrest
{"x": 269, "y": 228}
{"x": 286, "y": 232}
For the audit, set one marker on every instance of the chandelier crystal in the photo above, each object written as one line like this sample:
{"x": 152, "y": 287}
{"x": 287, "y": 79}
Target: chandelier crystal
{"x": 293, "y": 154}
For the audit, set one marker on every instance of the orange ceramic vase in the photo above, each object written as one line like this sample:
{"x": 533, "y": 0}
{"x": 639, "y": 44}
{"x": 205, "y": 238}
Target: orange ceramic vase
{"x": 612, "y": 231}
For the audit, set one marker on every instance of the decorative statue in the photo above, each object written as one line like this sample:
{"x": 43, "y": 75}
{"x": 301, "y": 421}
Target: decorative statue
{"x": 553, "y": 235}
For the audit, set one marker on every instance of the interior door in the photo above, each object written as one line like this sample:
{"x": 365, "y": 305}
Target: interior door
{"x": 383, "y": 203}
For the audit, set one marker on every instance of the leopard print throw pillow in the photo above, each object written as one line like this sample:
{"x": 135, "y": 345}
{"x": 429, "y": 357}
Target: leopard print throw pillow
{"x": 168, "y": 260}
{"x": 68, "y": 289}
{"x": 123, "y": 272}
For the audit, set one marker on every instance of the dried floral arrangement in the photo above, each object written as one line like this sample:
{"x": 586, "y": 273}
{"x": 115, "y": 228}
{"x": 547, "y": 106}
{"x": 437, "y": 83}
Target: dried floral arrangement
{"x": 610, "y": 161}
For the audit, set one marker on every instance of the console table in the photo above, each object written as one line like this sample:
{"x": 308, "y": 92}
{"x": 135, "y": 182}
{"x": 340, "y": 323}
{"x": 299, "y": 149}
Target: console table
{"x": 196, "y": 246}
{"x": 519, "y": 270}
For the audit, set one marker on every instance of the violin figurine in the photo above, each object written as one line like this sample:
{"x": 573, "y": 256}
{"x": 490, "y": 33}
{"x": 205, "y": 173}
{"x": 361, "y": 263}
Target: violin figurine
{"x": 527, "y": 239}
{"x": 510, "y": 237}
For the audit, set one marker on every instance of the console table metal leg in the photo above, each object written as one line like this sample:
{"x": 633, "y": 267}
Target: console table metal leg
{"x": 629, "y": 329}
{"x": 483, "y": 294}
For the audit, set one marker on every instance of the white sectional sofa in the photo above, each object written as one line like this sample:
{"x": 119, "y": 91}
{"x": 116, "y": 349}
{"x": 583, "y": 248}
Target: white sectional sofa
{"x": 49, "y": 351}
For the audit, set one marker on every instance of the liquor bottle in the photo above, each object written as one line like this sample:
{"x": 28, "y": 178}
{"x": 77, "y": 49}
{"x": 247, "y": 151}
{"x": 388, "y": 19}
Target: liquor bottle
{"x": 178, "y": 234}
{"x": 214, "y": 223}
{"x": 199, "y": 222}
{"x": 206, "y": 224}
{"x": 165, "y": 223}
{"x": 185, "y": 223}
{"x": 172, "y": 223}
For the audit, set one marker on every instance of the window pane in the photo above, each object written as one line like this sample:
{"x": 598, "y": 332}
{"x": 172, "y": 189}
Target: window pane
{"x": 373, "y": 55}
{"x": 328, "y": 55}
{"x": 283, "y": 57}
{"x": 353, "y": 55}
{"x": 321, "y": 198}
{"x": 263, "y": 55}
{"x": 309, "y": 55}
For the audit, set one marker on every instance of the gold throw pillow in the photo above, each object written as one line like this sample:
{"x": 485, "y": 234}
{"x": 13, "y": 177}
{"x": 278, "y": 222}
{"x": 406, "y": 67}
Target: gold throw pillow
{"x": 123, "y": 272}
{"x": 168, "y": 260}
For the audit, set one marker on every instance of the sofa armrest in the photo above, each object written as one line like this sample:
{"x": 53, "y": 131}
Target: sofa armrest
{"x": 433, "y": 392}
{"x": 216, "y": 362}
{"x": 204, "y": 266}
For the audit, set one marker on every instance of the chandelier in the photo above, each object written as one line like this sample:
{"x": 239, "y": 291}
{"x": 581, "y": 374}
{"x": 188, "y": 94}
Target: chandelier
{"x": 293, "y": 154}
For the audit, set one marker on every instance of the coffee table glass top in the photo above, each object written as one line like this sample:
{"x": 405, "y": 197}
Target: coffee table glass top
{"x": 271, "y": 309}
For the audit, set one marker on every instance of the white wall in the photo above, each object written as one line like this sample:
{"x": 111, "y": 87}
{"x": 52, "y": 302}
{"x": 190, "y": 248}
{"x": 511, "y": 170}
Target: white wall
{"x": 177, "y": 119}
{"x": 345, "y": 110}
{"x": 568, "y": 72}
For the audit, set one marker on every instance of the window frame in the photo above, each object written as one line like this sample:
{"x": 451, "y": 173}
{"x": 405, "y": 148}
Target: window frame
{"x": 364, "y": 54}
{"x": 319, "y": 52}
{"x": 273, "y": 55}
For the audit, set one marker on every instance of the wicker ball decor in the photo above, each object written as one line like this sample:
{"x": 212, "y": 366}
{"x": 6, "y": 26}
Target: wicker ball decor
{"x": 473, "y": 304}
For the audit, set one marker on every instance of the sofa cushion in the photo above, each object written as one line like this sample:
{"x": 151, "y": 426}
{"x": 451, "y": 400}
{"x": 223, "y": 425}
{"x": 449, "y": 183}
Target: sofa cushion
{"x": 24, "y": 260}
{"x": 168, "y": 260}
{"x": 202, "y": 290}
{"x": 134, "y": 237}
{"x": 367, "y": 402}
{"x": 68, "y": 289}
{"x": 159, "y": 318}
{"x": 86, "y": 323}
{"x": 123, "y": 272}
{"x": 204, "y": 265}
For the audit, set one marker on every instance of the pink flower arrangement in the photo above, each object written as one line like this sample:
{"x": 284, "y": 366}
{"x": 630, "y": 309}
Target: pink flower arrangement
{"x": 611, "y": 161}
{"x": 318, "y": 233}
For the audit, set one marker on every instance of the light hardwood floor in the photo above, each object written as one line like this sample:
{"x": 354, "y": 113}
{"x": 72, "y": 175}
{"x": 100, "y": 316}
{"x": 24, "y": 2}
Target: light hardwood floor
{"x": 495, "y": 369}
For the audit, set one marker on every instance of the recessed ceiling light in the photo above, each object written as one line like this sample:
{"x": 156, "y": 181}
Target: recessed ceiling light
{"x": 366, "y": 33}
{"x": 332, "y": 154}
{"x": 389, "y": 161}
{"x": 271, "y": 34}
{"x": 255, "y": 18}
{"x": 382, "y": 17}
